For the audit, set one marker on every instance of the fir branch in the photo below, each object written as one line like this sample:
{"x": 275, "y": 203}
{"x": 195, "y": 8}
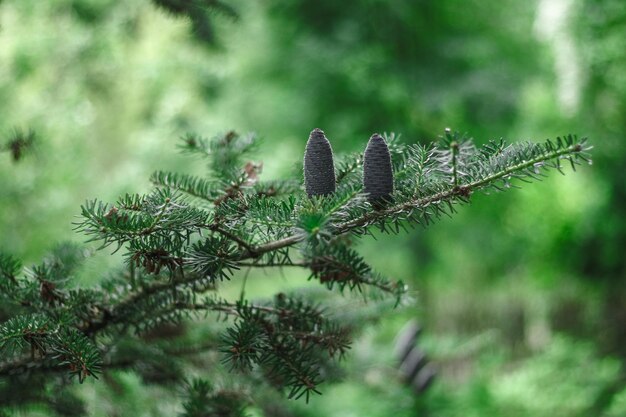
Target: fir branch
{"x": 10, "y": 267}
{"x": 348, "y": 166}
{"x": 202, "y": 399}
{"x": 72, "y": 349}
{"x": 194, "y": 186}
{"x": 200, "y": 12}
{"x": 541, "y": 156}
{"x": 19, "y": 143}
{"x": 242, "y": 243}
{"x": 20, "y": 331}
{"x": 250, "y": 224}
{"x": 284, "y": 340}
{"x": 65, "y": 346}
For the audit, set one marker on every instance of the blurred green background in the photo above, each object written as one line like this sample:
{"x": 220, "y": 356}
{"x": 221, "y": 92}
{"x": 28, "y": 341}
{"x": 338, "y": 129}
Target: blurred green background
{"x": 522, "y": 295}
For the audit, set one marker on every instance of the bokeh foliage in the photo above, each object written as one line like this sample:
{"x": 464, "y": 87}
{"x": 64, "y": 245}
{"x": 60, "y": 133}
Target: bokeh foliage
{"x": 518, "y": 294}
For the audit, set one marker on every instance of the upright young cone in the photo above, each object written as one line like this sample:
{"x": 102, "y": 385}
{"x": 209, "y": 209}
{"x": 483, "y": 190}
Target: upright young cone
{"x": 377, "y": 171}
{"x": 319, "y": 170}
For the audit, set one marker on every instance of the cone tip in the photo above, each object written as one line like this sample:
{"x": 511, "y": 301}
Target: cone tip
{"x": 317, "y": 135}
{"x": 377, "y": 137}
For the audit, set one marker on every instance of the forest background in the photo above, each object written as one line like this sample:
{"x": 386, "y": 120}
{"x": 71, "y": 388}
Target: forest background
{"x": 522, "y": 297}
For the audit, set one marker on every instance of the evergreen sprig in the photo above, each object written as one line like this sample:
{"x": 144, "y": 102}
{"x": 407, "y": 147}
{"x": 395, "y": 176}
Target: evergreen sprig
{"x": 19, "y": 143}
{"x": 203, "y": 399}
{"x": 45, "y": 338}
{"x": 289, "y": 340}
{"x": 181, "y": 240}
{"x": 9, "y": 268}
{"x": 200, "y": 13}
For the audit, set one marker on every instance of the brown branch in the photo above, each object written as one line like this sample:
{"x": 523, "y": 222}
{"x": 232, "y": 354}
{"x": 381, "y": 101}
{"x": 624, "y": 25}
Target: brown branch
{"x": 271, "y": 246}
{"x": 262, "y": 265}
{"x": 242, "y": 243}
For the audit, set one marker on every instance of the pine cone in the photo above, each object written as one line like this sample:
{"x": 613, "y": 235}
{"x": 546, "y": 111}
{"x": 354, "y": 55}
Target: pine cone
{"x": 319, "y": 171}
{"x": 377, "y": 171}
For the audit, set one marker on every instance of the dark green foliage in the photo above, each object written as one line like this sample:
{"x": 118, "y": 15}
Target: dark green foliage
{"x": 268, "y": 336}
{"x": 19, "y": 143}
{"x": 143, "y": 221}
{"x": 451, "y": 175}
{"x": 66, "y": 403}
{"x": 202, "y": 400}
{"x": 20, "y": 391}
{"x": 197, "y": 187}
{"x": 200, "y": 12}
{"x": 9, "y": 268}
{"x": 179, "y": 249}
{"x": 226, "y": 153}
{"x": 47, "y": 338}
{"x": 336, "y": 265}
{"x": 212, "y": 257}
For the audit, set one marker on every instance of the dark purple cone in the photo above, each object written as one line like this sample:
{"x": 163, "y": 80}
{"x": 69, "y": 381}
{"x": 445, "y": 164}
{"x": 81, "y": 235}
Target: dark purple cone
{"x": 424, "y": 379}
{"x": 406, "y": 339}
{"x": 414, "y": 362}
{"x": 319, "y": 170}
{"x": 377, "y": 171}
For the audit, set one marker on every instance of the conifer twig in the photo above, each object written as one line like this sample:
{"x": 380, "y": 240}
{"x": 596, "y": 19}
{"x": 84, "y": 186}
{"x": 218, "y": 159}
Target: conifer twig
{"x": 69, "y": 329}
